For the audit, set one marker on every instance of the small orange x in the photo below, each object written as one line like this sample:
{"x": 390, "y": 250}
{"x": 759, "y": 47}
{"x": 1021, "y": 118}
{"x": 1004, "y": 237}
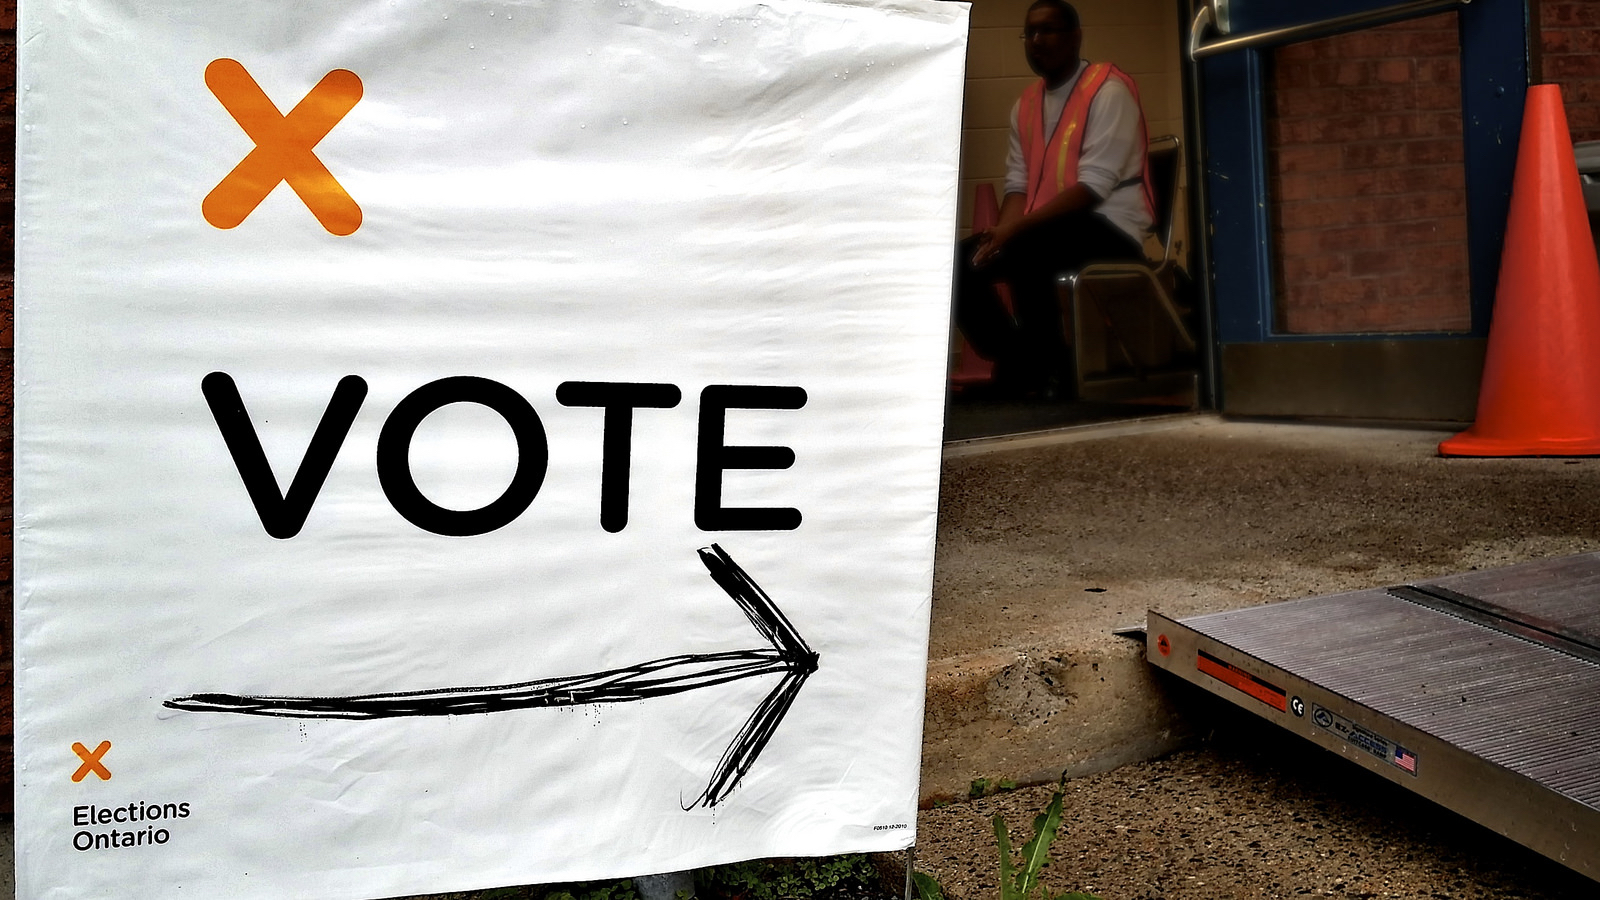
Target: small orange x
{"x": 283, "y": 148}
{"x": 91, "y": 761}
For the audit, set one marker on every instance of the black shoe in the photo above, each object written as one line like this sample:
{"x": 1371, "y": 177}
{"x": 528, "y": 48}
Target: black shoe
{"x": 1058, "y": 389}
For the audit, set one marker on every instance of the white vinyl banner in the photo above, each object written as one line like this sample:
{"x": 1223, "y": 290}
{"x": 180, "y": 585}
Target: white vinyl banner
{"x": 473, "y": 443}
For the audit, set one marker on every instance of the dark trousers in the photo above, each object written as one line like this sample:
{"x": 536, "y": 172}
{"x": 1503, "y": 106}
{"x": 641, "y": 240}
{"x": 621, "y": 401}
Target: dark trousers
{"x": 1030, "y": 346}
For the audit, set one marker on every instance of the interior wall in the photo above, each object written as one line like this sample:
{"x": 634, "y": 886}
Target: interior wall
{"x": 1139, "y": 36}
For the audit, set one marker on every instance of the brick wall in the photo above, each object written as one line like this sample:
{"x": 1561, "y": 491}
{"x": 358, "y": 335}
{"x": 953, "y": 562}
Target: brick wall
{"x": 8, "y": 168}
{"x": 1365, "y": 171}
{"x": 1570, "y": 41}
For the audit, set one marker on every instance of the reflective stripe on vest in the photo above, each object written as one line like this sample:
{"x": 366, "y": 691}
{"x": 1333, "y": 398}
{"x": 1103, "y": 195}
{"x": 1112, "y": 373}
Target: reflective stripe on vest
{"x": 1053, "y": 164}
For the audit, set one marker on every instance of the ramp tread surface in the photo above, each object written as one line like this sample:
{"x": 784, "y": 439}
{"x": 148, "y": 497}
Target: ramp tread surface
{"x": 1516, "y": 703}
{"x": 1561, "y": 595}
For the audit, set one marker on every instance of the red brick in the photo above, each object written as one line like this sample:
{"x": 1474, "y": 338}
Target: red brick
{"x": 1381, "y": 262}
{"x": 1580, "y": 15}
{"x": 8, "y": 80}
{"x": 1349, "y": 237}
{"x": 1303, "y": 319}
{"x": 1371, "y": 155}
{"x": 1310, "y": 102}
{"x": 1561, "y": 68}
{"x": 1303, "y": 268}
{"x": 1437, "y": 96}
{"x": 1437, "y": 150}
{"x": 1299, "y": 54}
{"x": 1326, "y": 185}
{"x": 1299, "y": 214}
{"x": 1423, "y": 283}
{"x": 1420, "y": 178}
{"x": 1386, "y": 45}
{"x": 1299, "y": 242}
{"x": 1373, "y": 239}
{"x": 1308, "y": 159}
{"x": 1327, "y": 129}
{"x": 1381, "y": 99}
{"x": 1584, "y": 91}
{"x": 7, "y": 329}
{"x": 1394, "y": 125}
{"x": 1395, "y": 71}
{"x": 1433, "y": 231}
{"x": 1405, "y": 207}
{"x": 1344, "y": 73}
{"x": 1295, "y": 186}
{"x": 1291, "y": 73}
{"x": 1442, "y": 71}
{"x": 1348, "y": 291}
{"x": 1437, "y": 42}
{"x": 1570, "y": 39}
{"x": 1371, "y": 43}
{"x": 1585, "y": 124}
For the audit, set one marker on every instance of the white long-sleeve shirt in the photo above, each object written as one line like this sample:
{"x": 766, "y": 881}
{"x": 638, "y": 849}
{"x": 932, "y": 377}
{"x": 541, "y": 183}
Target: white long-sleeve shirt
{"x": 1112, "y": 152}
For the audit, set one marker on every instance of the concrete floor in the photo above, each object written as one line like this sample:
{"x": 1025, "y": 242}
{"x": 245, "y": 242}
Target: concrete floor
{"x": 1246, "y": 815}
{"x": 1049, "y": 543}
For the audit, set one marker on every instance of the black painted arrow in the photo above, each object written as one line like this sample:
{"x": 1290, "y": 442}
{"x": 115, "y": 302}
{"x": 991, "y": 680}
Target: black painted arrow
{"x": 789, "y": 655}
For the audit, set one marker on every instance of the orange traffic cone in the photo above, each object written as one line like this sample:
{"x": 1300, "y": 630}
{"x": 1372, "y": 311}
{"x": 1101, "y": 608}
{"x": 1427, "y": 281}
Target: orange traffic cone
{"x": 971, "y": 368}
{"x": 986, "y": 210}
{"x": 1541, "y": 379}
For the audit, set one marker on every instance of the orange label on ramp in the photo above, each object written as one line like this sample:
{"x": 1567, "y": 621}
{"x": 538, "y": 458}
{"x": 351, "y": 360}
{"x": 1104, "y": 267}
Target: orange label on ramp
{"x": 1237, "y": 678}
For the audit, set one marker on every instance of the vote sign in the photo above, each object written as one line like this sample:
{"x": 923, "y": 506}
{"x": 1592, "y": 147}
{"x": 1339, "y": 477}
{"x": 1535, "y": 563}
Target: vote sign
{"x": 473, "y": 443}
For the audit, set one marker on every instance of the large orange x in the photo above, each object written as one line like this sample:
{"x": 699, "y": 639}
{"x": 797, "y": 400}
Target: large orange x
{"x": 283, "y": 148}
{"x": 91, "y": 761}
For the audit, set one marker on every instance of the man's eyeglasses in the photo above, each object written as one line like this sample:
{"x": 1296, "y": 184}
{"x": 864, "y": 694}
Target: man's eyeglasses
{"x": 1044, "y": 31}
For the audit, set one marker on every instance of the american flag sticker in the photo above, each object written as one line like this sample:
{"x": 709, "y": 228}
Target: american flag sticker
{"x": 1405, "y": 759}
{"x": 1363, "y": 738}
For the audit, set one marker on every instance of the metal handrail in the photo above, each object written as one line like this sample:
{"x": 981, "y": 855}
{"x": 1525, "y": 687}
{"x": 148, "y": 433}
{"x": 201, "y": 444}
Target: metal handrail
{"x": 1291, "y": 33}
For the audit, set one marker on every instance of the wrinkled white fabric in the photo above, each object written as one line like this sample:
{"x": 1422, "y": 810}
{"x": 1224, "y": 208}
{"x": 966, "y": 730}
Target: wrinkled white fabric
{"x": 675, "y": 192}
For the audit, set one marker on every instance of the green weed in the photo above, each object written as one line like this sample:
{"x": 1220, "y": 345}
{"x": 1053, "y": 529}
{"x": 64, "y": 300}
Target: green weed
{"x": 789, "y": 879}
{"x": 768, "y": 879}
{"x": 926, "y": 886}
{"x": 595, "y": 890}
{"x": 1019, "y": 881}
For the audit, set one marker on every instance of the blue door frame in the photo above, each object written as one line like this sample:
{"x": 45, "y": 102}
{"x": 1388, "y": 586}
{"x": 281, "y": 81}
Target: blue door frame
{"x": 1494, "y": 79}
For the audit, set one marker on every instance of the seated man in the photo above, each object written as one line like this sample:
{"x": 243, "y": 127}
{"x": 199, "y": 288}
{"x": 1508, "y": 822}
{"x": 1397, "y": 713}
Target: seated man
{"x": 1077, "y": 191}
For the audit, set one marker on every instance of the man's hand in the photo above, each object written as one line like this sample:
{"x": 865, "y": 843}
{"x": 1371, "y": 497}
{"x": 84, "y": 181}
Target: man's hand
{"x": 994, "y": 240}
{"x": 1014, "y": 221}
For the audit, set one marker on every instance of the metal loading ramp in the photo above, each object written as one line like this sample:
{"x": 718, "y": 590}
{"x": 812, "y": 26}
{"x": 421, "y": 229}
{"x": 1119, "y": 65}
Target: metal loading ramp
{"x": 1478, "y": 691}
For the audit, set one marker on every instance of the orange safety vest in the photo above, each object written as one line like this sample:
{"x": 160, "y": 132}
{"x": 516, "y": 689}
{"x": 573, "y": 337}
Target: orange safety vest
{"x": 1053, "y": 164}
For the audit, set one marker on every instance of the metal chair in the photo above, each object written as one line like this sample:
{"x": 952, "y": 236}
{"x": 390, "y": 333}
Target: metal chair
{"x": 1127, "y": 309}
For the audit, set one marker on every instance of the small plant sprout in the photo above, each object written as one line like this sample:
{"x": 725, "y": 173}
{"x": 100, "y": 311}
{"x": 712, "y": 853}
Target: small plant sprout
{"x": 1018, "y": 882}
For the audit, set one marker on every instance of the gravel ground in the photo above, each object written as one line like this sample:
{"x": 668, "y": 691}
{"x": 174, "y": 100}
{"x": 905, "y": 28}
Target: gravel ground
{"x": 1252, "y": 812}
{"x": 1045, "y": 549}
